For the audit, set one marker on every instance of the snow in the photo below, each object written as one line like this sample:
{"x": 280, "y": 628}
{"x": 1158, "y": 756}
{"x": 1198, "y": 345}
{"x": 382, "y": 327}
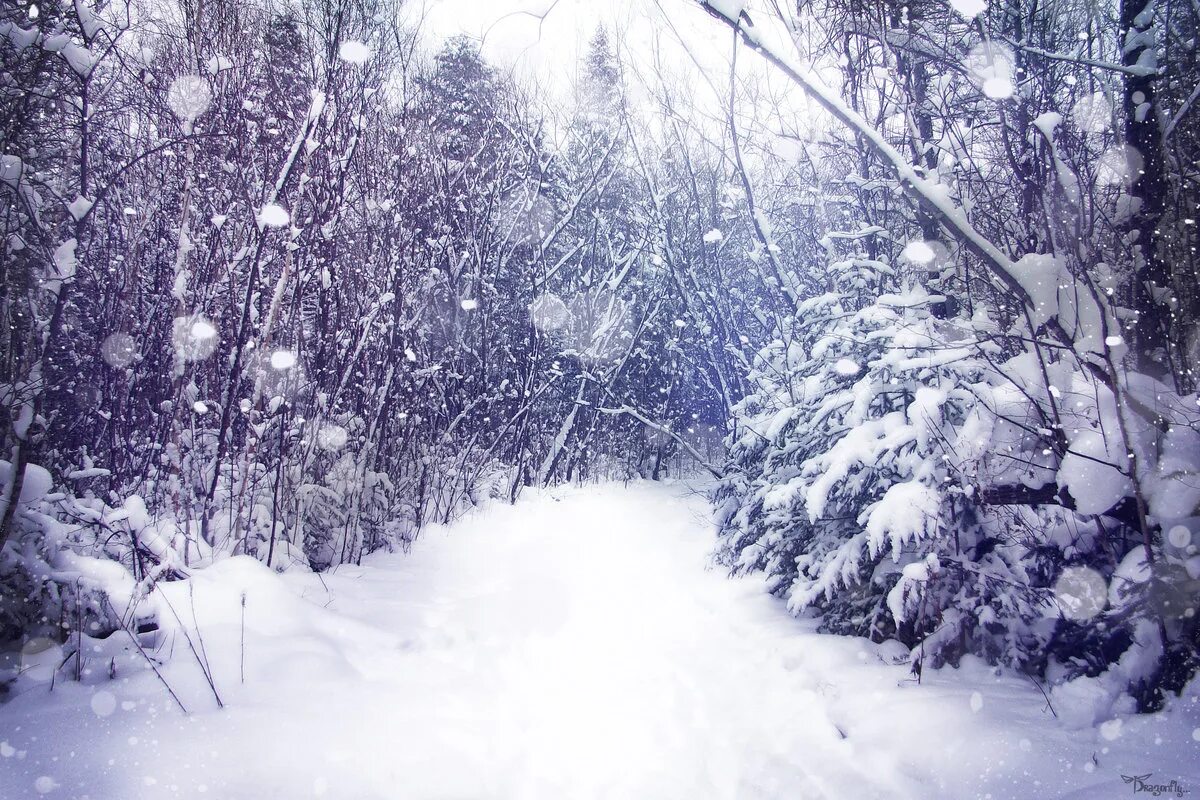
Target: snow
{"x": 907, "y": 511}
{"x": 992, "y": 66}
{"x": 1090, "y": 472}
{"x": 79, "y": 208}
{"x": 217, "y": 64}
{"x": 713, "y": 236}
{"x": 11, "y": 170}
{"x": 549, "y": 313}
{"x": 846, "y": 367}
{"x": 730, "y": 9}
{"x": 1080, "y": 593}
{"x": 194, "y": 338}
{"x": 36, "y": 485}
{"x": 1092, "y": 113}
{"x": 1039, "y": 275}
{"x": 571, "y": 646}
{"x": 65, "y": 261}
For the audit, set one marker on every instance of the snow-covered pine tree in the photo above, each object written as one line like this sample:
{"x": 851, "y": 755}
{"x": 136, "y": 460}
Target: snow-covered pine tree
{"x": 852, "y": 478}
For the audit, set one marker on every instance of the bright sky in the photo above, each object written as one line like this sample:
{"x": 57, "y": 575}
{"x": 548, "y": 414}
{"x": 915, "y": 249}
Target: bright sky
{"x": 544, "y": 39}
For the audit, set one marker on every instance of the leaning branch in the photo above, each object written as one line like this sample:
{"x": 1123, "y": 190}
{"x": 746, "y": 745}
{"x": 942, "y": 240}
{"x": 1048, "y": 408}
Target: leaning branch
{"x": 927, "y": 194}
{"x": 649, "y": 423}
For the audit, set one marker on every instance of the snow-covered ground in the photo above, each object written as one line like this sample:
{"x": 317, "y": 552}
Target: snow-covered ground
{"x": 572, "y": 646}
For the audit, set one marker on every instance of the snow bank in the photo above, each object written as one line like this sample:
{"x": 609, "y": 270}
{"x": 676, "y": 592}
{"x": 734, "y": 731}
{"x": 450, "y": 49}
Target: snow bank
{"x": 572, "y": 646}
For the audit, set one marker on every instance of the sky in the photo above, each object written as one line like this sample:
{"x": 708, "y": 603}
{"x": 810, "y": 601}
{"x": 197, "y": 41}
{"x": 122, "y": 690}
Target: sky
{"x": 543, "y": 39}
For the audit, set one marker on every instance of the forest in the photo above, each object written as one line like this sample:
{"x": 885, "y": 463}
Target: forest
{"x": 909, "y": 288}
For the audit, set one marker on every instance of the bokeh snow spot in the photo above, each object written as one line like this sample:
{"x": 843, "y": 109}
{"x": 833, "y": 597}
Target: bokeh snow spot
{"x": 194, "y": 338}
{"x": 103, "y": 703}
{"x": 189, "y": 96}
{"x": 1179, "y": 536}
{"x": 549, "y": 313}
{"x": 1111, "y": 730}
{"x": 273, "y": 215}
{"x": 991, "y": 67}
{"x": 1120, "y": 165}
{"x": 919, "y": 252}
{"x": 332, "y": 437}
{"x": 40, "y": 657}
{"x": 976, "y": 702}
{"x": 118, "y": 350}
{"x": 526, "y": 215}
{"x": 469, "y": 304}
{"x": 1092, "y": 113}
{"x": 275, "y": 374}
{"x": 283, "y": 360}
{"x": 354, "y": 52}
{"x": 1081, "y": 593}
{"x": 45, "y": 785}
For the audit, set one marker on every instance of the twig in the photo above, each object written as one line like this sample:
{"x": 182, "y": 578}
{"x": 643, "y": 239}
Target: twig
{"x": 191, "y": 646}
{"x": 146, "y": 656}
{"x": 1049, "y": 705}
{"x": 242, "y": 664}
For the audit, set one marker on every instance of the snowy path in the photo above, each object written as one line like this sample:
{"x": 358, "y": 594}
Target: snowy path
{"x": 572, "y": 646}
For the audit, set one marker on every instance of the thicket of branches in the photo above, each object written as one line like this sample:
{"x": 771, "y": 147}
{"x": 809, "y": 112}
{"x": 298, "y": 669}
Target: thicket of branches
{"x": 919, "y": 288}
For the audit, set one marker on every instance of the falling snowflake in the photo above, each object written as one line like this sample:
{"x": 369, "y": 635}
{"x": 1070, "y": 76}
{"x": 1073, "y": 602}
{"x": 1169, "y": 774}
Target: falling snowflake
{"x": 1120, "y": 165}
{"x": 194, "y": 338}
{"x": 991, "y": 67}
{"x": 103, "y": 703}
{"x": 1179, "y": 536}
{"x": 1082, "y": 593}
{"x": 549, "y": 313}
{"x": 283, "y": 359}
{"x": 118, "y": 350}
{"x": 273, "y": 215}
{"x": 1092, "y": 113}
{"x": 332, "y": 437}
{"x": 919, "y": 252}
{"x": 189, "y": 96}
{"x": 354, "y": 52}
{"x": 525, "y": 215}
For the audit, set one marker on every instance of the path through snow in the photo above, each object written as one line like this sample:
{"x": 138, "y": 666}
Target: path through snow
{"x": 572, "y": 646}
